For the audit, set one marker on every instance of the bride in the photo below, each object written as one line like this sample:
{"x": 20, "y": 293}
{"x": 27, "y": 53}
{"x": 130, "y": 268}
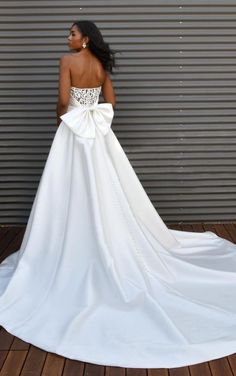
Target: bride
{"x": 99, "y": 277}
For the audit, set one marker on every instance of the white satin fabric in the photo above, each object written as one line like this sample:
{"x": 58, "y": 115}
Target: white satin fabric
{"x": 99, "y": 277}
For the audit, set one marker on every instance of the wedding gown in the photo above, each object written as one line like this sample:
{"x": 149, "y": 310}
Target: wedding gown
{"x": 99, "y": 277}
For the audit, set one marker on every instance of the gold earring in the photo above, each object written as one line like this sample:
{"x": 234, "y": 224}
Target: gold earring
{"x": 84, "y": 45}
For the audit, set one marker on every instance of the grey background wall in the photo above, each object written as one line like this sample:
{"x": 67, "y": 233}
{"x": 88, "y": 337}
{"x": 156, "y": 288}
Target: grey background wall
{"x": 176, "y": 91}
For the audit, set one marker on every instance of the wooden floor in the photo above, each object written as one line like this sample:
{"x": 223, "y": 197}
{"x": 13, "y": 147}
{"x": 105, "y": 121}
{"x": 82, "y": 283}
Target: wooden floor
{"x": 21, "y": 358}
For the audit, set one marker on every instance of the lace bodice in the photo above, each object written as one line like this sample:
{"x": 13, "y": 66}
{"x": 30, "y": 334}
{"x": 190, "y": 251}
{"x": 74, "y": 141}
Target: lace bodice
{"x": 85, "y": 96}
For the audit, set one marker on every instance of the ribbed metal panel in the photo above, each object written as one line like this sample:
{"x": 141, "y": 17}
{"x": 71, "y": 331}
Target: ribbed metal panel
{"x": 176, "y": 92}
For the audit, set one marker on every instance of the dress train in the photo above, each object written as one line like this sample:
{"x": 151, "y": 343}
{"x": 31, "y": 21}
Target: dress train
{"x": 99, "y": 277}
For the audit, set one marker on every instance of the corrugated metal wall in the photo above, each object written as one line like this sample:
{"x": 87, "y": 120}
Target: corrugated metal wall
{"x": 176, "y": 91}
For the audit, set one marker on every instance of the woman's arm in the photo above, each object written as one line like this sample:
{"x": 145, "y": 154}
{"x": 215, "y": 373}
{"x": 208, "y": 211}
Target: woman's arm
{"x": 64, "y": 87}
{"x": 108, "y": 91}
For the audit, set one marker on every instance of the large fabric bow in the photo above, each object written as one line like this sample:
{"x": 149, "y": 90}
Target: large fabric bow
{"x": 84, "y": 120}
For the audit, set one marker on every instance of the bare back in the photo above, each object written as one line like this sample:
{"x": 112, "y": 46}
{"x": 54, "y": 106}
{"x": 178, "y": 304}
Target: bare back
{"x": 82, "y": 70}
{"x": 86, "y": 71}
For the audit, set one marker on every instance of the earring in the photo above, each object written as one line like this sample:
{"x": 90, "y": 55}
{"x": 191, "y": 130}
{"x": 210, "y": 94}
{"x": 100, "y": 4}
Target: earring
{"x": 84, "y": 45}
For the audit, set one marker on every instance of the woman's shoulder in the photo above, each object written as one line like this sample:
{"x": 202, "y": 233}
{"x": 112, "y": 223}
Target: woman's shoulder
{"x": 70, "y": 56}
{"x": 77, "y": 57}
{"x": 65, "y": 59}
{"x": 70, "y": 59}
{"x": 77, "y": 61}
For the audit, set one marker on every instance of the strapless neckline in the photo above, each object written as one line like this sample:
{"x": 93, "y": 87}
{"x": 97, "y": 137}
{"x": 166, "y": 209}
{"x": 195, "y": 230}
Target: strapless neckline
{"x": 95, "y": 87}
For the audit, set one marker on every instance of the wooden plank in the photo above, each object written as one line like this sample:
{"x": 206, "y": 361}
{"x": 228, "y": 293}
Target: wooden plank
{"x": 6, "y": 339}
{"x": 136, "y": 372}
{"x": 220, "y": 367}
{"x": 200, "y": 369}
{"x": 94, "y": 370}
{"x": 12, "y": 242}
{"x": 232, "y": 362}
{"x": 173, "y": 226}
{"x": 34, "y": 362}
{"x": 13, "y": 363}
{"x": 221, "y": 231}
{"x": 19, "y": 344}
{"x": 7, "y": 235}
{"x": 3, "y": 231}
{"x": 198, "y": 227}
{"x": 179, "y": 371}
{"x": 186, "y": 227}
{"x": 209, "y": 227}
{"x": 74, "y": 368}
{"x": 53, "y": 365}
{"x": 157, "y": 372}
{"x": 231, "y": 228}
{"x": 3, "y": 356}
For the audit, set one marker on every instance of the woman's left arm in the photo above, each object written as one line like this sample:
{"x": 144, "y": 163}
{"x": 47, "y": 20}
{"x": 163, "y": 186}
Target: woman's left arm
{"x": 64, "y": 87}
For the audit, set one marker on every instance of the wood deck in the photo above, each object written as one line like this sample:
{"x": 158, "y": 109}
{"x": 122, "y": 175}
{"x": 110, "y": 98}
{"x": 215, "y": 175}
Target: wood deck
{"x": 19, "y": 358}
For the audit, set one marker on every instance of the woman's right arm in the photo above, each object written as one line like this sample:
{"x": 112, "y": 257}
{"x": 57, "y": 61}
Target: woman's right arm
{"x": 108, "y": 91}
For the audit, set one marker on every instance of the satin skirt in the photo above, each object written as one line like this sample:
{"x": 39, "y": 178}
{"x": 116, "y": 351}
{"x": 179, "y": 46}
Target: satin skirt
{"x": 100, "y": 278}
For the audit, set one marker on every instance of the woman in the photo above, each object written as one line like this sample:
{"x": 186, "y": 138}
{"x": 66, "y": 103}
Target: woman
{"x": 87, "y": 67}
{"x": 99, "y": 277}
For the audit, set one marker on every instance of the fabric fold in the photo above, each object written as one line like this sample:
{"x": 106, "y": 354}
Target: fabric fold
{"x": 83, "y": 121}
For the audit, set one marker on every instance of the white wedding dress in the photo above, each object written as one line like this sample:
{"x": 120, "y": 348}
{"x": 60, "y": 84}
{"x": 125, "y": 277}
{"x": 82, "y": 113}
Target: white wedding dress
{"x": 99, "y": 277}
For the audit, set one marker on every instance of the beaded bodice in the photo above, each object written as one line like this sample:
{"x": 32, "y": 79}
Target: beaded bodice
{"x": 85, "y": 96}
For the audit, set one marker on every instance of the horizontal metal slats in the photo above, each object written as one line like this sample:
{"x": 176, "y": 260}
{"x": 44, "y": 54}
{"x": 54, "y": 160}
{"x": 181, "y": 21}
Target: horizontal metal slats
{"x": 176, "y": 88}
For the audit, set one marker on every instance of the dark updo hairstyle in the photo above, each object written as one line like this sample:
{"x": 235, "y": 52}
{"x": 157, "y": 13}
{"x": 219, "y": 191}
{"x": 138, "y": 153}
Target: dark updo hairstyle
{"x": 96, "y": 44}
